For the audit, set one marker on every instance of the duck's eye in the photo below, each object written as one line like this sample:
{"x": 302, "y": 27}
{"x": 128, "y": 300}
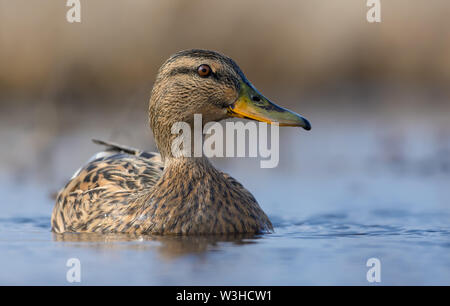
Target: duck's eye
{"x": 204, "y": 70}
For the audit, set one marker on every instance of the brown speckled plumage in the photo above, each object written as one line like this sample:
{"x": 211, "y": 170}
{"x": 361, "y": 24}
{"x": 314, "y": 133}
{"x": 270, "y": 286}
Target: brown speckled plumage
{"x": 124, "y": 190}
{"x": 132, "y": 193}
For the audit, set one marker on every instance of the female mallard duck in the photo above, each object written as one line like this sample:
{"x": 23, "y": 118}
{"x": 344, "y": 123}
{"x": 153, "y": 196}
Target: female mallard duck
{"x": 124, "y": 190}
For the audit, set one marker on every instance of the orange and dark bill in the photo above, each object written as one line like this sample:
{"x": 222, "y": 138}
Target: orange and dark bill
{"x": 253, "y": 105}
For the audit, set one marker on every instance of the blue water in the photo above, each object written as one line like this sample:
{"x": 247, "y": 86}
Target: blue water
{"x": 340, "y": 195}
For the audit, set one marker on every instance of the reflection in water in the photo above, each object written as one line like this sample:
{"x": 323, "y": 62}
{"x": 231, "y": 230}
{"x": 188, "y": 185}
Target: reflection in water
{"x": 168, "y": 246}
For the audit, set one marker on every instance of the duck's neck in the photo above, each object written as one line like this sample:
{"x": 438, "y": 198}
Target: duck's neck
{"x": 173, "y": 138}
{"x": 177, "y": 149}
{"x": 184, "y": 146}
{"x": 190, "y": 168}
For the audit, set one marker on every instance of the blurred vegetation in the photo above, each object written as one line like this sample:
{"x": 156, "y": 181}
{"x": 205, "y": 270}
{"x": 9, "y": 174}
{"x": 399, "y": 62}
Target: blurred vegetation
{"x": 293, "y": 47}
{"x": 320, "y": 58}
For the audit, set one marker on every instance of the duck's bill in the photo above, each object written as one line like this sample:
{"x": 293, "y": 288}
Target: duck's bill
{"x": 253, "y": 105}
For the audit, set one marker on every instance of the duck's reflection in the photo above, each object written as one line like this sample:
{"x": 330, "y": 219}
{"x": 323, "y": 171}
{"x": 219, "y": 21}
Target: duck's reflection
{"x": 171, "y": 246}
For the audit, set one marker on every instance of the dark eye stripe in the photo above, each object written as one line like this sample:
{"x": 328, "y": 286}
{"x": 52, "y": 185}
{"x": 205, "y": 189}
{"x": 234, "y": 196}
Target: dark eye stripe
{"x": 217, "y": 76}
{"x": 180, "y": 70}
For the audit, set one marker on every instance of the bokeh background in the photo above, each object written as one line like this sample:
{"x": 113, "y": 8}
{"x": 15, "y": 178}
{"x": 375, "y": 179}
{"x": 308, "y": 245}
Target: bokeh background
{"x": 377, "y": 95}
{"x": 57, "y": 78}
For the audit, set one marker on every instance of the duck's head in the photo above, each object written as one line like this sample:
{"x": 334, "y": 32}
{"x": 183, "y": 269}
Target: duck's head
{"x": 211, "y": 84}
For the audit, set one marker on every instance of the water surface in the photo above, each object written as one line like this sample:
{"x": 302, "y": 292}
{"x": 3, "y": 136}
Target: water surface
{"x": 350, "y": 190}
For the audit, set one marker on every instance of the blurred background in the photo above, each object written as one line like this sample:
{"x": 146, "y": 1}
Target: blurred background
{"x": 377, "y": 95}
{"x": 58, "y": 77}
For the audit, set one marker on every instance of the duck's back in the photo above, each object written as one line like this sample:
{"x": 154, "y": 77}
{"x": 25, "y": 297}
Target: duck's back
{"x": 118, "y": 189}
{"x": 98, "y": 196}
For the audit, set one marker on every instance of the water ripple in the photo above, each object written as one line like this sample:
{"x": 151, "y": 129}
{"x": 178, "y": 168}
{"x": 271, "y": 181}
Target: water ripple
{"x": 338, "y": 226}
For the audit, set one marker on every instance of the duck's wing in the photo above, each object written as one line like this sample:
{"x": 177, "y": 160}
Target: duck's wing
{"x": 114, "y": 148}
{"x": 104, "y": 187}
